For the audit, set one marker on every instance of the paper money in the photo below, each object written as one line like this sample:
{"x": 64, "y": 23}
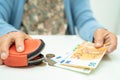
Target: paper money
{"x": 84, "y": 58}
{"x": 60, "y": 58}
{"x": 83, "y": 70}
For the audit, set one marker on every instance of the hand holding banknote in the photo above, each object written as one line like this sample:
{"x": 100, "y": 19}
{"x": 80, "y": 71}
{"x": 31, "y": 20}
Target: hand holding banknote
{"x": 104, "y": 37}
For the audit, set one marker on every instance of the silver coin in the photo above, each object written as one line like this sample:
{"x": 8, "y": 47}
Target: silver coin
{"x": 49, "y": 55}
{"x": 49, "y": 60}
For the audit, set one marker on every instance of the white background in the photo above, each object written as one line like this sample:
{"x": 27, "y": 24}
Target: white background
{"x": 107, "y": 12}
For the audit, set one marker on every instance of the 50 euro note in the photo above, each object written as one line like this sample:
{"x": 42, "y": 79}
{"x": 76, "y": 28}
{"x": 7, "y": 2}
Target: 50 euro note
{"x": 61, "y": 58}
{"x": 84, "y": 58}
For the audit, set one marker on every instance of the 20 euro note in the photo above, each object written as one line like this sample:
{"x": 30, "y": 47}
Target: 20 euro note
{"x": 85, "y": 56}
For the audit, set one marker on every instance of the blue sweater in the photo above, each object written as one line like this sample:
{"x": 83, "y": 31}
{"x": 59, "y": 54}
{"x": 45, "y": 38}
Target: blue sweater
{"x": 78, "y": 13}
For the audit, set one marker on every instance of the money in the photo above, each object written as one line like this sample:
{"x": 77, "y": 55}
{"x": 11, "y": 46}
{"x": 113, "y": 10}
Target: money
{"x": 83, "y": 70}
{"x": 49, "y": 60}
{"x": 84, "y": 58}
{"x": 50, "y": 55}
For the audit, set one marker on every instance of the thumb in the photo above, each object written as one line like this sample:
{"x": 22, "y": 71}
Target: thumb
{"x": 99, "y": 38}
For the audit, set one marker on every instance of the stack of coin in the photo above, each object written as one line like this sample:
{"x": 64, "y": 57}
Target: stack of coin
{"x": 49, "y": 60}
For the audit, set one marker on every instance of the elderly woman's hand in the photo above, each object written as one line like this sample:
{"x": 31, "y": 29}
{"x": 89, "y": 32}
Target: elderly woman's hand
{"x": 8, "y": 39}
{"x": 102, "y": 36}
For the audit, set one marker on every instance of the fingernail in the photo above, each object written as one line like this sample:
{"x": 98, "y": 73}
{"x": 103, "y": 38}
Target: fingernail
{"x": 4, "y": 55}
{"x": 19, "y": 49}
{"x": 97, "y": 44}
{"x": 109, "y": 50}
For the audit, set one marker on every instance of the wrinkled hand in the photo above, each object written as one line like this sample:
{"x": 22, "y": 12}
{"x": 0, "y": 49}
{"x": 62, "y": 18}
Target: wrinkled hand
{"x": 8, "y": 39}
{"x": 104, "y": 37}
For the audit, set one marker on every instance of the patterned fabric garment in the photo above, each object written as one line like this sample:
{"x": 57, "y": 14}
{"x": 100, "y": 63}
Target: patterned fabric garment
{"x": 44, "y": 17}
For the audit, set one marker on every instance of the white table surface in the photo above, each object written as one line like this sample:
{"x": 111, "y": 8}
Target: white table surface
{"x": 108, "y": 69}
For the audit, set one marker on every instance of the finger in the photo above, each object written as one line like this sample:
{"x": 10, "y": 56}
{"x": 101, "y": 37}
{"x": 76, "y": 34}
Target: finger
{"x": 113, "y": 43}
{"x": 106, "y": 41}
{"x": 19, "y": 40}
{"x": 19, "y": 43}
{"x": 4, "y": 52}
{"x": 4, "y": 55}
{"x": 99, "y": 38}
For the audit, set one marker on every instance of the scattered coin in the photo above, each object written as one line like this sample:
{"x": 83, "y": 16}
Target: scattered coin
{"x": 49, "y": 60}
{"x": 49, "y": 55}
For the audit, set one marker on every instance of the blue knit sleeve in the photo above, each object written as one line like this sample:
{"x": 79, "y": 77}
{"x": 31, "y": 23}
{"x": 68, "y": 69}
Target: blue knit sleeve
{"x": 5, "y": 17}
{"x": 83, "y": 18}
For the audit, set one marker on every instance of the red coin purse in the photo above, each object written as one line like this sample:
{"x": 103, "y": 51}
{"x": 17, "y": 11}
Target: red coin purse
{"x": 30, "y": 56}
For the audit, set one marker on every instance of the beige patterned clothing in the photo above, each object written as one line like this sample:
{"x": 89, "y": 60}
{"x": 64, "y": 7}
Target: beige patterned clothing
{"x": 44, "y": 17}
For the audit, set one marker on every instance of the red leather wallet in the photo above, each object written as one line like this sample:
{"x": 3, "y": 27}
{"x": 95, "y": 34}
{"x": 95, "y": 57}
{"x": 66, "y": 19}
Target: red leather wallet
{"x": 30, "y": 56}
